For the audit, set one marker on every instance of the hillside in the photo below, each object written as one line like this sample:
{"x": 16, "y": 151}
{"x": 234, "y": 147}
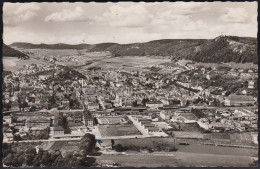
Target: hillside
{"x": 50, "y": 46}
{"x": 220, "y": 49}
{"x": 10, "y": 52}
{"x": 165, "y": 47}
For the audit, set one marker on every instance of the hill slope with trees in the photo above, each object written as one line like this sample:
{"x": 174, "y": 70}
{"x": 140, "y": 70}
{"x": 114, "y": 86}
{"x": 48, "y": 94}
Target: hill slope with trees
{"x": 10, "y": 52}
{"x": 220, "y": 49}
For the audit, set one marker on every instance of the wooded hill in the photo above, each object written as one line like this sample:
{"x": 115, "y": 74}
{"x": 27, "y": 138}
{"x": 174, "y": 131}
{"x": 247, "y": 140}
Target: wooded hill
{"x": 220, "y": 49}
{"x": 10, "y": 52}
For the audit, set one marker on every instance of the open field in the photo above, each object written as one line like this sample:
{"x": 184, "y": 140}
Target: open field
{"x": 186, "y": 134}
{"x": 118, "y": 130}
{"x": 187, "y": 155}
{"x": 230, "y": 64}
{"x": 140, "y": 161}
{"x": 217, "y": 136}
{"x": 13, "y": 64}
{"x": 212, "y": 160}
{"x": 186, "y": 159}
{"x": 217, "y": 150}
{"x": 147, "y": 142}
{"x": 127, "y": 63}
{"x": 234, "y": 138}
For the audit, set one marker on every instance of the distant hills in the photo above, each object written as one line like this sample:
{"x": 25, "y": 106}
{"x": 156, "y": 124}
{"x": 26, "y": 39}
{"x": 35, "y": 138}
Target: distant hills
{"x": 220, "y": 49}
{"x": 10, "y": 52}
{"x": 49, "y": 46}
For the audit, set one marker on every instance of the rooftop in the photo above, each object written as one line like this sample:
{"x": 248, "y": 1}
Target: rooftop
{"x": 58, "y": 128}
{"x": 240, "y": 97}
{"x": 154, "y": 102}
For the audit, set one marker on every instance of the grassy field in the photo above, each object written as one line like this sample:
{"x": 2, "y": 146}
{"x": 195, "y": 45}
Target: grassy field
{"x": 178, "y": 159}
{"x": 189, "y": 155}
{"x": 211, "y": 160}
{"x": 216, "y": 150}
{"x": 140, "y": 161}
{"x": 147, "y": 142}
{"x": 13, "y": 64}
{"x": 186, "y": 134}
{"x": 217, "y": 136}
{"x": 234, "y": 138}
{"x": 127, "y": 63}
{"x": 117, "y": 130}
{"x": 231, "y": 64}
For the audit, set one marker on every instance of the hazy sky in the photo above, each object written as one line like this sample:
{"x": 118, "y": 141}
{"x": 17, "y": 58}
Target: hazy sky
{"x": 126, "y": 22}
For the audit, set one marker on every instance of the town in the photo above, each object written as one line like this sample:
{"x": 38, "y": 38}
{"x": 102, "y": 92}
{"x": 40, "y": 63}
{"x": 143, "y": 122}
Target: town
{"x": 170, "y": 104}
{"x": 130, "y": 84}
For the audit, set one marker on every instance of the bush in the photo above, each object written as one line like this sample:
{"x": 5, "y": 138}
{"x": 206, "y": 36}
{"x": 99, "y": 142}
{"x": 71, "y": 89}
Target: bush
{"x": 120, "y": 148}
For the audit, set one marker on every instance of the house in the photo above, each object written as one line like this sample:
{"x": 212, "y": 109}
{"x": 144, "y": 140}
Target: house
{"x": 243, "y": 114}
{"x": 107, "y": 163}
{"x": 77, "y": 116}
{"x": 154, "y": 104}
{"x": 8, "y": 137}
{"x": 235, "y": 100}
{"x": 165, "y": 115}
{"x": 93, "y": 106}
{"x": 251, "y": 84}
{"x": 104, "y": 144}
{"x": 89, "y": 120}
{"x": 65, "y": 103}
{"x": 244, "y": 92}
{"x": 58, "y": 130}
{"x": 218, "y": 127}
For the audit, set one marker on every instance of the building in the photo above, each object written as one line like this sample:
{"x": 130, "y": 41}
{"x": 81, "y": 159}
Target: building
{"x": 104, "y": 144}
{"x": 251, "y": 84}
{"x": 154, "y": 104}
{"x": 89, "y": 120}
{"x": 58, "y": 130}
{"x": 236, "y": 100}
{"x": 107, "y": 163}
{"x": 218, "y": 127}
{"x": 165, "y": 115}
{"x": 93, "y": 106}
{"x": 39, "y": 123}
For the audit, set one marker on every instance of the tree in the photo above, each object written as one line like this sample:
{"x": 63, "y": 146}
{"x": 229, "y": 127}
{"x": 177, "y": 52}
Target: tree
{"x": 17, "y": 137}
{"x": 145, "y": 100}
{"x": 8, "y": 159}
{"x": 254, "y": 163}
{"x": 112, "y": 142}
{"x": 88, "y": 143}
{"x": 87, "y": 161}
{"x": 119, "y": 148}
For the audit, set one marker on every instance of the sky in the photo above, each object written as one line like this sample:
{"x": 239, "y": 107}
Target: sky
{"x": 126, "y": 22}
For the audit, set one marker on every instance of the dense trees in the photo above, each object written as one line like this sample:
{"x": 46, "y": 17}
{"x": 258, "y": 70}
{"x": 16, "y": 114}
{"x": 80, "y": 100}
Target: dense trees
{"x": 10, "y": 52}
{"x": 63, "y": 122}
{"x": 214, "y": 50}
{"x": 17, "y": 154}
{"x": 88, "y": 143}
{"x": 39, "y": 135}
{"x": 198, "y": 113}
